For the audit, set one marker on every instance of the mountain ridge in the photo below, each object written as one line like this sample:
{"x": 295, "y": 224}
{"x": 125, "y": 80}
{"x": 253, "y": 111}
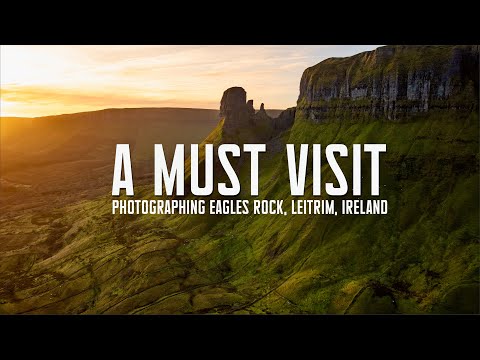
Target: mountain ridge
{"x": 393, "y": 82}
{"x": 272, "y": 111}
{"x": 422, "y": 257}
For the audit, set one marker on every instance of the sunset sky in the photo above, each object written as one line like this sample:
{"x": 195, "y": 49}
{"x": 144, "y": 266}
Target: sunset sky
{"x": 48, "y": 80}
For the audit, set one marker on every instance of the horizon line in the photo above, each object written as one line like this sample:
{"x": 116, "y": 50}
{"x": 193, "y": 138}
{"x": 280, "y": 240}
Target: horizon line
{"x": 126, "y": 108}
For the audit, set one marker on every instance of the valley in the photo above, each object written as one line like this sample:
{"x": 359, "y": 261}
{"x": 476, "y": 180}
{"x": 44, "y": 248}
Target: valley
{"x": 63, "y": 251}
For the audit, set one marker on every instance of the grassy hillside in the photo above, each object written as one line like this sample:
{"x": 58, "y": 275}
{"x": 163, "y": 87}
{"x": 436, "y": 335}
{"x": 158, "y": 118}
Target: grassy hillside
{"x": 423, "y": 257}
{"x": 62, "y": 159}
{"x": 49, "y": 162}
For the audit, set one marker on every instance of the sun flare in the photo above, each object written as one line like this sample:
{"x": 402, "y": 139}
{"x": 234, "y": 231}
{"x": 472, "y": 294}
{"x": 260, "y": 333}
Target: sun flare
{"x": 47, "y": 80}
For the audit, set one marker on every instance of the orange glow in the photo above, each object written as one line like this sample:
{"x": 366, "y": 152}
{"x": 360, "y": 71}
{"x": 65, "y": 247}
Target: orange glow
{"x": 46, "y": 80}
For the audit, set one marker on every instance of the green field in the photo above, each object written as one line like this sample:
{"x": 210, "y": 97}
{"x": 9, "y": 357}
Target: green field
{"x": 422, "y": 257}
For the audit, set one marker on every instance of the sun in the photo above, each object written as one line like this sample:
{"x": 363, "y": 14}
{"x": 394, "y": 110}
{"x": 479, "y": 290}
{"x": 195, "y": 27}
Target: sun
{"x": 5, "y": 107}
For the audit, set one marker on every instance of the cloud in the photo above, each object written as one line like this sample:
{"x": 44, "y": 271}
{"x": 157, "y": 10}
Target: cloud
{"x": 46, "y": 96}
{"x": 50, "y": 79}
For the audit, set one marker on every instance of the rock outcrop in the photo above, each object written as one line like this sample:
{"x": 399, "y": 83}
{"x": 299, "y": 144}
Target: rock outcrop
{"x": 240, "y": 117}
{"x": 285, "y": 120}
{"x": 250, "y": 108}
{"x": 234, "y": 109}
{"x": 391, "y": 82}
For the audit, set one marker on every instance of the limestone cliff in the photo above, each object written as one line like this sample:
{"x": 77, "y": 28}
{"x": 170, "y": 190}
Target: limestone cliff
{"x": 234, "y": 109}
{"x": 73, "y": 256}
{"x": 392, "y": 82}
{"x": 240, "y": 117}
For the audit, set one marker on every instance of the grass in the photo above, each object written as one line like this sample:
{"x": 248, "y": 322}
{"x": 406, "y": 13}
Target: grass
{"x": 422, "y": 257}
{"x": 430, "y": 177}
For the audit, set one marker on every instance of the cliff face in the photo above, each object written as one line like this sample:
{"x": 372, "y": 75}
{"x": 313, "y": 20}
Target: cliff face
{"x": 241, "y": 120}
{"x": 423, "y": 257}
{"x": 392, "y": 82}
{"x": 234, "y": 108}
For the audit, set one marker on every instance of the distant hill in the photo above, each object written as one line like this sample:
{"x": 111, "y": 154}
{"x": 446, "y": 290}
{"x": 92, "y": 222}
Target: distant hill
{"x": 421, "y": 257}
{"x": 74, "y": 153}
{"x": 61, "y": 159}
